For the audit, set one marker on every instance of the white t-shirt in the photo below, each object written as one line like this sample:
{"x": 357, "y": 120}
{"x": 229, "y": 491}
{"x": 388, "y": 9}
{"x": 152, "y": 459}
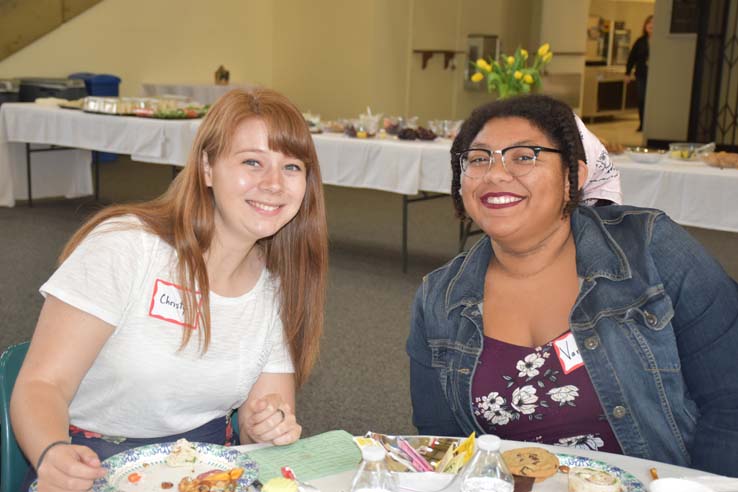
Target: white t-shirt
{"x": 140, "y": 385}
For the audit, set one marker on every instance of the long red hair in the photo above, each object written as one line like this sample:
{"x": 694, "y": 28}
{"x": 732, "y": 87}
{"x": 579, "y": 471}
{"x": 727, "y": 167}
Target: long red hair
{"x": 183, "y": 217}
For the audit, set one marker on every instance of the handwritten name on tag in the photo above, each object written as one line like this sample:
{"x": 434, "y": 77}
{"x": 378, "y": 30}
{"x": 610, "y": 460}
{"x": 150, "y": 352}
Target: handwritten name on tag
{"x": 167, "y": 304}
{"x": 568, "y": 353}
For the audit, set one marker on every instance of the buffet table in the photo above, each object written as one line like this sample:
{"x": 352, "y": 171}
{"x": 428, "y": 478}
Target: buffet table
{"x": 692, "y": 193}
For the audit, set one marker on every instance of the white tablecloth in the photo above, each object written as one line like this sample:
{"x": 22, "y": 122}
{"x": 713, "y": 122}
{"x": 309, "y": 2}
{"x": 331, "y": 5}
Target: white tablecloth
{"x": 61, "y": 173}
{"x": 637, "y": 467}
{"x": 388, "y": 165}
{"x": 692, "y": 193}
{"x": 67, "y": 173}
{"x": 202, "y": 93}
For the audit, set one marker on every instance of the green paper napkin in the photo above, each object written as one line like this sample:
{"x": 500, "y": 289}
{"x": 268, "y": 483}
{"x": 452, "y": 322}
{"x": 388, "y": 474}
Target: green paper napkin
{"x": 310, "y": 458}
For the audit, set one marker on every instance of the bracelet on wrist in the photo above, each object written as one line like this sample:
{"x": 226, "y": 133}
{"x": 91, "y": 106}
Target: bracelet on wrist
{"x": 46, "y": 450}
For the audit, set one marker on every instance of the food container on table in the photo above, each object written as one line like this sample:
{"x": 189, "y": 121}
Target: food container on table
{"x": 689, "y": 151}
{"x": 722, "y": 160}
{"x": 368, "y": 123}
{"x": 334, "y": 126}
{"x": 9, "y": 90}
{"x": 313, "y": 122}
{"x": 645, "y": 155}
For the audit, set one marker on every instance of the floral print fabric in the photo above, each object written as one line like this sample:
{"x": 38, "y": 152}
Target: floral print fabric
{"x": 525, "y": 394}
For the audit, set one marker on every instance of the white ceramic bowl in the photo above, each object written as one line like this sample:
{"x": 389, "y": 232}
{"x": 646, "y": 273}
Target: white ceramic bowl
{"x": 644, "y": 155}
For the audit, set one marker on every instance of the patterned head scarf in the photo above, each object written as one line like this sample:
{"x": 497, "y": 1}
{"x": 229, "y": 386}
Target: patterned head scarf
{"x": 603, "y": 180}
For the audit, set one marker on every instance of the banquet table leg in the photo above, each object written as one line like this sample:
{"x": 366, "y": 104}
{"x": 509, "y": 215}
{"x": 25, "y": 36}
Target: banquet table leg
{"x": 96, "y": 162}
{"x": 28, "y": 174}
{"x": 405, "y": 203}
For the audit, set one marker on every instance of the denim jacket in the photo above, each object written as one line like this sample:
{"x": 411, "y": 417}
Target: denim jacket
{"x": 656, "y": 322}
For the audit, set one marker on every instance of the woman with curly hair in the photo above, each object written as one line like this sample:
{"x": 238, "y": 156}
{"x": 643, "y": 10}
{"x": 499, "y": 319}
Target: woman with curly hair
{"x": 605, "y": 328}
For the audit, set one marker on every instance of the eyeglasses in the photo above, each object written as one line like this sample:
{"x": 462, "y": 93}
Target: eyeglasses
{"x": 517, "y": 160}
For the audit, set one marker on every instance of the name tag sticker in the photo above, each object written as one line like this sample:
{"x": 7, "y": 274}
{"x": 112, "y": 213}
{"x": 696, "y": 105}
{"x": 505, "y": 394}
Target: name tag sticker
{"x": 568, "y": 353}
{"x": 167, "y": 304}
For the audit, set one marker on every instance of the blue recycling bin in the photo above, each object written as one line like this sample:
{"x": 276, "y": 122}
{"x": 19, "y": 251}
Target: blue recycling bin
{"x": 100, "y": 85}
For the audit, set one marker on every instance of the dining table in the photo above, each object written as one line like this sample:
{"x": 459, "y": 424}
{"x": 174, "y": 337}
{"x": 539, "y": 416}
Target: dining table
{"x": 641, "y": 469}
{"x": 45, "y": 151}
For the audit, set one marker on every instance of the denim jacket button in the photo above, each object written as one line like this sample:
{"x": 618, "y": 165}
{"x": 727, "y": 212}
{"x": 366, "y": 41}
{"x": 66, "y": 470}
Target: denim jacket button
{"x": 591, "y": 343}
{"x": 650, "y": 318}
{"x": 619, "y": 412}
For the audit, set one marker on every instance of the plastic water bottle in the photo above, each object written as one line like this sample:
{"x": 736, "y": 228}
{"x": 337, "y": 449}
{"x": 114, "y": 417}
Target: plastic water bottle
{"x": 373, "y": 474}
{"x": 486, "y": 471}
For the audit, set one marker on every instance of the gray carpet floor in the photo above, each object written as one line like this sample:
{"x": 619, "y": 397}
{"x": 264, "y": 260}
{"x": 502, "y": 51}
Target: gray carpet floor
{"x": 361, "y": 380}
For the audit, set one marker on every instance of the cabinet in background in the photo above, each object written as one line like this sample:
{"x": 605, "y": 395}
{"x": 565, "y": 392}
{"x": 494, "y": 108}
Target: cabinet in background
{"x": 606, "y": 92}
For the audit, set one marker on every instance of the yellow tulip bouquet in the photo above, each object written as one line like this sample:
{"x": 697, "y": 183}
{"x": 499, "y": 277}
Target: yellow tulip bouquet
{"x": 512, "y": 75}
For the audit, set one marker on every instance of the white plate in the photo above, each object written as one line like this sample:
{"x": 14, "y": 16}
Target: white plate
{"x": 149, "y": 462}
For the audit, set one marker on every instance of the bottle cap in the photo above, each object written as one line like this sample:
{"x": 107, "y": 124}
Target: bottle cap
{"x": 373, "y": 453}
{"x": 488, "y": 442}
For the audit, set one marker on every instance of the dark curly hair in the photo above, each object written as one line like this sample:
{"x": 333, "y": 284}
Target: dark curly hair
{"x": 554, "y": 118}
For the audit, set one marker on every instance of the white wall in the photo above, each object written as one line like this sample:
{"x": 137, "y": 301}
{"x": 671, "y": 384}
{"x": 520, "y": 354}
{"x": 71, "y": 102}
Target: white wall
{"x": 670, "y": 72}
{"x": 160, "y": 41}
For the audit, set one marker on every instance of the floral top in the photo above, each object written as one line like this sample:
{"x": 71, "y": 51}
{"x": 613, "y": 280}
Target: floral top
{"x": 540, "y": 394}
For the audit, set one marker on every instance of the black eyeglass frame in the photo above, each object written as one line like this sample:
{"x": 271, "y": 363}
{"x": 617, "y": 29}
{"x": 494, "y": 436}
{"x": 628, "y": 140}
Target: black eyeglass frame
{"x": 537, "y": 149}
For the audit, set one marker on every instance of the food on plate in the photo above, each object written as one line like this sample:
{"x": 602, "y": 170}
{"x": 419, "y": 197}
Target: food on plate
{"x": 531, "y": 462}
{"x": 391, "y": 126}
{"x": 183, "y": 453}
{"x": 426, "y": 134}
{"x": 212, "y": 481}
{"x": 333, "y": 126}
{"x": 280, "y": 484}
{"x": 407, "y": 134}
{"x": 721, "y": 159}
{"x": 593, "y": 480}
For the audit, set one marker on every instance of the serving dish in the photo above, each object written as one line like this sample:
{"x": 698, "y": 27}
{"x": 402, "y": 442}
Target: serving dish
{"x": 722, "y": 160}
{"x": 689, "y": 151}
{"x": 644, "y": 155}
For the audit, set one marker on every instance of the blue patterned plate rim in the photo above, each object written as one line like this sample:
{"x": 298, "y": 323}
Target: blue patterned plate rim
{"x": 124, "y": 463}
{"x": 629, "y": 481}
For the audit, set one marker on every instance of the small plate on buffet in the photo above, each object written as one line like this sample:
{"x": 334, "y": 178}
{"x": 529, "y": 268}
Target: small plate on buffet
{"x": 644, "y": 155}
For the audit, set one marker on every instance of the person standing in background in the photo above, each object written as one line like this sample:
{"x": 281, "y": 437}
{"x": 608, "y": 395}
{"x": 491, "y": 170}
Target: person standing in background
{"x": 638, "y": 59}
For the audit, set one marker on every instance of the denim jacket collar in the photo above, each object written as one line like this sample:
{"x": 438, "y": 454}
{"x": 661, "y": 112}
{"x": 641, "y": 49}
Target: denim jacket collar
{"x": 598, "y": 255}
